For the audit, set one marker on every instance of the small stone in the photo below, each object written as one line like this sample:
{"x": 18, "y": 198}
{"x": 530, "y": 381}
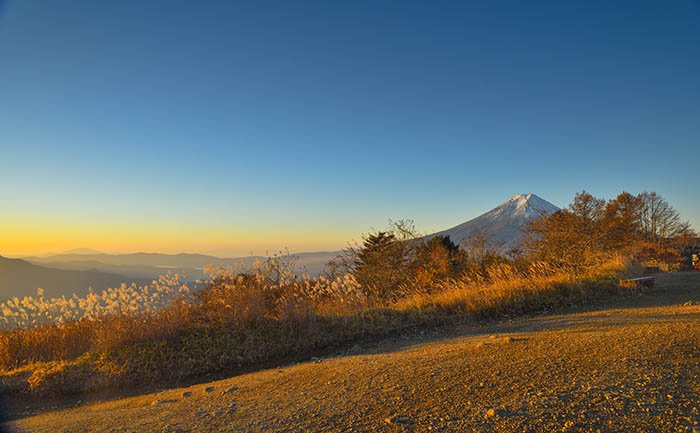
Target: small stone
{"x": 209, "y": 389}
{"x": 161, "y": 401}
{"x": 187, "y": 394}
{"x": 230, "y": 390}
{"x": 491, "y": 413}
{"x": 398, "y": 420}
{"x": 199, "y": 414}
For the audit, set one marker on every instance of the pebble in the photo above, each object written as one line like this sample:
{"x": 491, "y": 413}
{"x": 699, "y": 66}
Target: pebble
{"x": 230, "y": 390}
{"x": 398, "y": 420}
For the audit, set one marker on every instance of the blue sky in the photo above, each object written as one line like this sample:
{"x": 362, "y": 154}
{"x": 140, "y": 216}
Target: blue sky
{"x": 235, "y": 127}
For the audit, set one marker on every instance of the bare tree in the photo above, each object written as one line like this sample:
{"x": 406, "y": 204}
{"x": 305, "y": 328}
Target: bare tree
{"x": 481, "y": 246}
{"x": 658, "y": 220}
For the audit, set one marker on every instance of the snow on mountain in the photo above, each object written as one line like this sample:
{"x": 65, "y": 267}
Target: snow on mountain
{"x": 504, "y": 223}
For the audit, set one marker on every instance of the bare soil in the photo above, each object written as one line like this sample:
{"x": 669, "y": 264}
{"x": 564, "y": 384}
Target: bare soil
{"x": 632, "y": 365}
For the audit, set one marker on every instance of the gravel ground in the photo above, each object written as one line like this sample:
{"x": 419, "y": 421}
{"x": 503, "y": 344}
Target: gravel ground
{"x": 630, "y": 366}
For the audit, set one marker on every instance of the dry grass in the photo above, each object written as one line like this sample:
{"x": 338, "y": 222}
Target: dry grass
{"x": 240, "y": 320}
{"x": 505, "y": 290}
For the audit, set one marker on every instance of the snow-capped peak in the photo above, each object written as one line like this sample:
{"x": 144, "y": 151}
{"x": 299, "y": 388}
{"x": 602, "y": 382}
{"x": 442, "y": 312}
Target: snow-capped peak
{"x": 526, "y": 204}
{"x": 505, "y": 223}
{"x": 520, "y": 197}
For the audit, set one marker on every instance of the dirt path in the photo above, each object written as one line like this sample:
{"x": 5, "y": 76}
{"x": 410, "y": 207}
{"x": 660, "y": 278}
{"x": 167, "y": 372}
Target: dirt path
{"x": 631, "y": 366}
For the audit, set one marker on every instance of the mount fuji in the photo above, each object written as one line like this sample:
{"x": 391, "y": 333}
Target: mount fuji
{"x": 505, "y": 224}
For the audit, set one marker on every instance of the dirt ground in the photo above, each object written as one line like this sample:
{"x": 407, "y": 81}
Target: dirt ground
{"x": 632, "y": 365}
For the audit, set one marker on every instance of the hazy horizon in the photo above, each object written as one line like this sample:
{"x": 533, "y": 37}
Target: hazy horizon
{"x": 224, "y": 252}
{"x": 214, "y": 253}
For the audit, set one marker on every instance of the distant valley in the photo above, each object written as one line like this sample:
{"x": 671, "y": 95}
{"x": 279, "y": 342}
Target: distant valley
{"x": 68, "y": 273}
{"x": 150, "y": 265}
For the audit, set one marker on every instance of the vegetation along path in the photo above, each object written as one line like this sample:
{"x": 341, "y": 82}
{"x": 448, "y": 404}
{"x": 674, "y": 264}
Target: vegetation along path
{"x": 632, "y": 365}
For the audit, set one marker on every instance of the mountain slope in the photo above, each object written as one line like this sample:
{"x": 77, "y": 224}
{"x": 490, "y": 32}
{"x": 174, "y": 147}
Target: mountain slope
{"x": 21, "y": 278}
{"x": 504, "y": 223}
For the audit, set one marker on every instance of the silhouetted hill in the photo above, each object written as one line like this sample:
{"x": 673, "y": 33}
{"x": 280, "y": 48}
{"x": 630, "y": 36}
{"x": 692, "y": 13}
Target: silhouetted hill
{"x": 20, "y": 278}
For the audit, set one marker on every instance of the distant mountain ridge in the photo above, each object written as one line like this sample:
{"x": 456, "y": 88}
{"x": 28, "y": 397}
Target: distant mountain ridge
{"x": 505, "y": 223}
{"x": 150, "y": 265}
{"x": 20, "y": 278}
{"x": 82, "y": 251}
{"x": 69, "y": 273}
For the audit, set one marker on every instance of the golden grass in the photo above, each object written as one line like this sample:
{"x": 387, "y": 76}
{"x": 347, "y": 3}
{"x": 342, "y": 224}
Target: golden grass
{"x": 243, "y": 320}
{"x": 508, "y": 289}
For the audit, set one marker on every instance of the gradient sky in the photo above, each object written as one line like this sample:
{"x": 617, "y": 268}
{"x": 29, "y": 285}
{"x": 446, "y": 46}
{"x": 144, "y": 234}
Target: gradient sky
{"x": 237, "y": 127}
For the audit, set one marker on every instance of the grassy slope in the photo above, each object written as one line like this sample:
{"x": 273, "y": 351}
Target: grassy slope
{"x": 200, "y": 350}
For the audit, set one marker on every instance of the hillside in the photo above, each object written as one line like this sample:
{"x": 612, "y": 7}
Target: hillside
{"x": 20, "y": 278}
{"x": 628, "y": 366}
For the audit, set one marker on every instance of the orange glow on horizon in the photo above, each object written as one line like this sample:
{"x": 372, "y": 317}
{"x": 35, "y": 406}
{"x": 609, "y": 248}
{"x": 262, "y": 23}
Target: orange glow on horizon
{"x": 30, "y": 238}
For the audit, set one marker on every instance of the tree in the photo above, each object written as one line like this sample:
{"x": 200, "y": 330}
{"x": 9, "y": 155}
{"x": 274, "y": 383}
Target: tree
{"x": 658, "y": 220}
{"x": 621, "y": 221}
{"x": 554, "y": 239}
{"x": 434, "y": 260}
{"x": 381, "y": 264}
{"x": 377, "y": 267}
{"x": 571, "y": 238}
{"x": 590, "y": 229}
{"x": 589, "y": 211}
{"x": 482, "y": 251}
